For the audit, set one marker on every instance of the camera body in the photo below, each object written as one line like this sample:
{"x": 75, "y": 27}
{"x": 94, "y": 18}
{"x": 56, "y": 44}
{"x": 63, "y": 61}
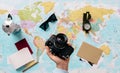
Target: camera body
{"x": 10, "y": 27}
{"x": 59, "y": 47}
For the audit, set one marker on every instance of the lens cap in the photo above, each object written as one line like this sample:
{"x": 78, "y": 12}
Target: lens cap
{"x": 7, "y": 26}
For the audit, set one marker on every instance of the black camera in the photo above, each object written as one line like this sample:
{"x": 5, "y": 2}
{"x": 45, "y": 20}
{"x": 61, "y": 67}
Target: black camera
{"x": 59, "y": 47}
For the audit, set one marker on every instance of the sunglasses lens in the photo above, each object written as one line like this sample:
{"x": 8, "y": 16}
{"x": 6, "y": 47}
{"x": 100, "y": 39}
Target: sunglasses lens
{"x": 44, "y": 26}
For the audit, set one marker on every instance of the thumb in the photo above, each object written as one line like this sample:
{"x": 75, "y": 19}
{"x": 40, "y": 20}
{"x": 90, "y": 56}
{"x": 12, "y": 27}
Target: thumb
{"x": 48, "y": 52}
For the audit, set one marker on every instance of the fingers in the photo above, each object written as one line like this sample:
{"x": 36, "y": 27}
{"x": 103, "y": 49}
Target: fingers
{"x": 69, "y": 44}
{"x": 53, "y": 57}
{"x": 48, "y": 51}
{"x": 68, "y": 59}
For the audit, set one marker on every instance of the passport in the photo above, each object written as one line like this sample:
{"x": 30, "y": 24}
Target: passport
{"x": 22, "y": 44}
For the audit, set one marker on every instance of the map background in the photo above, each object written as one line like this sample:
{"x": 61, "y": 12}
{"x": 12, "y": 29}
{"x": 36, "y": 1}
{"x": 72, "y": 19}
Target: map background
{"x": 109, "y": 34}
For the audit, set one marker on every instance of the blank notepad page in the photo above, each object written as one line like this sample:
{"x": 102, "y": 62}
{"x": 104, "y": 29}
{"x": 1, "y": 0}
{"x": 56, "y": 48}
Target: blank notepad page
{"x": 20, "y": 58}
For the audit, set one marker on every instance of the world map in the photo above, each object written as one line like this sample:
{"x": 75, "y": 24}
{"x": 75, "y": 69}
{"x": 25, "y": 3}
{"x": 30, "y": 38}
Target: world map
{"x": 30, "y": 14}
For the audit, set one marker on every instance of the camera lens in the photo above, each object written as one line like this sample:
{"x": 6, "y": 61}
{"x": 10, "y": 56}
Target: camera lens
{"x": 61, "y": 40}
{"x": 7, "y": 26}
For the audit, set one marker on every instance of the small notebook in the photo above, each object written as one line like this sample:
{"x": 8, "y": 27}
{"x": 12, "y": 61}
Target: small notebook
{"x": 20, "y": 58}
{"x": 89, "y": 53}
{"x": 22, "y": 44}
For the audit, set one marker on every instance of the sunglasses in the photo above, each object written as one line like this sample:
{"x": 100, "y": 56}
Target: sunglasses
{"x": 51, "y": 19}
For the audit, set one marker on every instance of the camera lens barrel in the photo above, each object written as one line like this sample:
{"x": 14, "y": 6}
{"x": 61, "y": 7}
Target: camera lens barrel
{"x": 61, "y": 40}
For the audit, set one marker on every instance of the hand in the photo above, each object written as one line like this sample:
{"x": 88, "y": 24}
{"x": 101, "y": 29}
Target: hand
{"x": 60, "y": 63}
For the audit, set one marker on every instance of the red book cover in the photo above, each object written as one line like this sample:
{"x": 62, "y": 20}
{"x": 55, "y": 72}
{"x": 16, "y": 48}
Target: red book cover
{"x": 22, "y": 44}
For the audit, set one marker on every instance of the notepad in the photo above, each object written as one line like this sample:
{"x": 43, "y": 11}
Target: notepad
{"x": 20, "y": 58}
{"x": 89, "y": 53}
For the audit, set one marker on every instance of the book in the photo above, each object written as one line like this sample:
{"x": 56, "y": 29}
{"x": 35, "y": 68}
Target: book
{"x": 20, "y": 58}
{"x": 22, "y": 44}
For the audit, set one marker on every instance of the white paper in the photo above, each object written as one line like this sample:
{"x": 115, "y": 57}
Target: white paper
{"x": 20, "y": 58}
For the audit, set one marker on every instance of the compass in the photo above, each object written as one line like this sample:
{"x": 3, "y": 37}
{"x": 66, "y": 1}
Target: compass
{"x": 87, "y": 27}
{"x": 86, "y": 22}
